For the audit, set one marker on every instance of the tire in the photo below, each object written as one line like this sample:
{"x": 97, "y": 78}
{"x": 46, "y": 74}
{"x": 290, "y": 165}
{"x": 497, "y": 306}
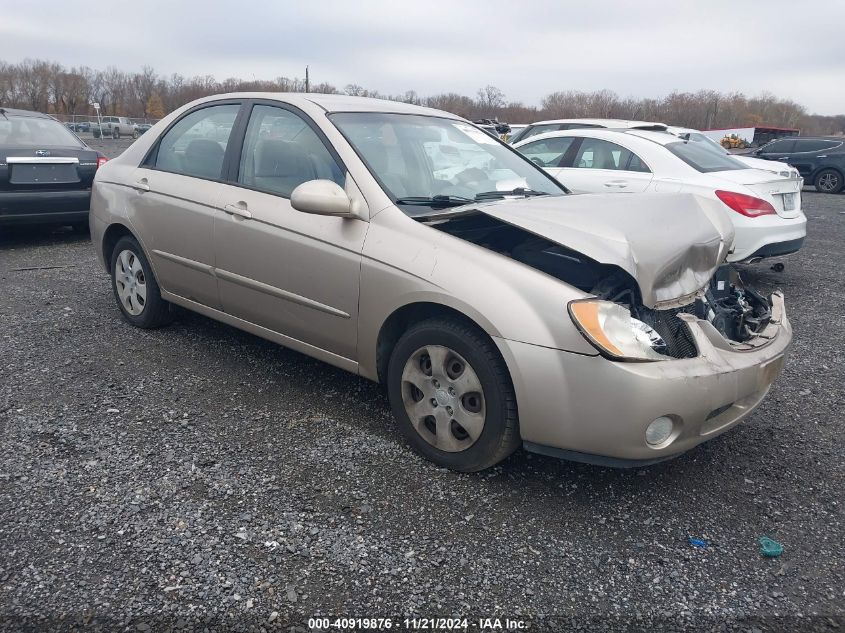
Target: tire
{"x": 829, "y": 181}
{"x": 135, "y": 134}
{"x": 115, "y": 134}
{"x": 96, "y": 133}
{"x": 153, "y": 311}
{"x": 442, "y": 398}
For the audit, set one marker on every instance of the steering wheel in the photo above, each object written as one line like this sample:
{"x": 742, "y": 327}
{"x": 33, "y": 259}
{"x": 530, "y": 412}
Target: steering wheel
{"x": 538, "y": 161}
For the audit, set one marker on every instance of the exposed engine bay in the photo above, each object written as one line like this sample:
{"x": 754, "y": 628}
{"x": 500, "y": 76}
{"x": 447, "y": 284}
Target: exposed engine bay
{"x": 737, "y": 312}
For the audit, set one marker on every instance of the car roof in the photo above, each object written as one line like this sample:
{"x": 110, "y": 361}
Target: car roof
{"x": 675, "y": 129}
{"x": 811, "y": 138}
{"x": 25, "y": 113}
{"x": 657, "y": 136}
{"x": 605, "y": 123}
{"x": 339, "y": 103}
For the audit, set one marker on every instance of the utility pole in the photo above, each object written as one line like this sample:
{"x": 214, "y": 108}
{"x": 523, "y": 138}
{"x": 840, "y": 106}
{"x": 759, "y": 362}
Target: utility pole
{"x": 307, "y": 81}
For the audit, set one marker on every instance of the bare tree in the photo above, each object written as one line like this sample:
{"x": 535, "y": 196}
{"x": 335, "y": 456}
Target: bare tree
{"x": 490, "y": 98}
{"x": 143, "y": 86}
{"x": 33, "y": 77}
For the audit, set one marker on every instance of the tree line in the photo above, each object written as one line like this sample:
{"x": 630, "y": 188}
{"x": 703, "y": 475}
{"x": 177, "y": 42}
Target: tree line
{"x": 48, "y": 86}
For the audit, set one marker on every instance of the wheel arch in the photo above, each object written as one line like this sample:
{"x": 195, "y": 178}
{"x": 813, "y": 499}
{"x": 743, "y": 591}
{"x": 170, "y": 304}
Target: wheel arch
{"x": 839, "y": 170}
{"x": 402, "y": 318}
{"x": 111, "y": 236}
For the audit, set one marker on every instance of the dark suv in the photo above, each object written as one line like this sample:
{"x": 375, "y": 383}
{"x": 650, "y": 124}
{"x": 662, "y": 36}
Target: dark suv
{"x": 820, "y": 161}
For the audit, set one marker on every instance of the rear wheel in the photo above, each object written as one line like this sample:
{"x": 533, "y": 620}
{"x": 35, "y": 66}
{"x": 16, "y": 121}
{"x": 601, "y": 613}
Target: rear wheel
{"x": 452, "y": 396}
{"x": 116, "y": 133}
{"x": 829, "y": 181}
{"x": 135, "y": 288}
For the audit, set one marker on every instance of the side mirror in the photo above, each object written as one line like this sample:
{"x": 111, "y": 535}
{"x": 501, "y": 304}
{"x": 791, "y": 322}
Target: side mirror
{"x": 322, "y": 197}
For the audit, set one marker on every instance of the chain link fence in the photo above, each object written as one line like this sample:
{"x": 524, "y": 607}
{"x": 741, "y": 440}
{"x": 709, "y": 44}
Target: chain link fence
{"x": 86, "y": 125}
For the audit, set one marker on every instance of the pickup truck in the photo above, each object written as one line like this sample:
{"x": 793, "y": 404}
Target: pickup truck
{"x": 116, "y": 126}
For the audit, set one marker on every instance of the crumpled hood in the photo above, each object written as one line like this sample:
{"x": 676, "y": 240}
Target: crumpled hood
{"x": 671, "y": 244}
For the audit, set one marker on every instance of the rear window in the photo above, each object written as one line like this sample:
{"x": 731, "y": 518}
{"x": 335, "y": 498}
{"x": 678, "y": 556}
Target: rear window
{"x": 704, "y": 157}
{"x": 36, "y": 132}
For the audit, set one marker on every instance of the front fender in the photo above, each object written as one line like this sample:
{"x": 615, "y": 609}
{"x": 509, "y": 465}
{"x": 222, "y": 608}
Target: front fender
{"x": 406, "y": 262}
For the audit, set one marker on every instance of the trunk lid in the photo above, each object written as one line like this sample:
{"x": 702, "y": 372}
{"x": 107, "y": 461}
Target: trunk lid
{"x": 784, "y": 194}
{"x": 671, "y": 244}
{"x": 46, "y": 169}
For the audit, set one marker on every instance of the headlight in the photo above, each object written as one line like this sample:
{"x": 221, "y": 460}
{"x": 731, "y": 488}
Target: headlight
{"x": 615, "y": 333}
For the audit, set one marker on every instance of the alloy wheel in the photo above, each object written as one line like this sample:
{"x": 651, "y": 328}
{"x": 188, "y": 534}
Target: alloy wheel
{"x": 828, "y": 181}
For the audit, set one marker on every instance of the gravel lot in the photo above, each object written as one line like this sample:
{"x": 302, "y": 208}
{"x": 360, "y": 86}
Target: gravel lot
{"x": 200, "y": 477}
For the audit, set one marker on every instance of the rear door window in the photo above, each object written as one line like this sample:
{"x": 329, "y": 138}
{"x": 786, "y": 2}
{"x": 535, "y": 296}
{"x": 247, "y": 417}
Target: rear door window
{"x": 196, "y": 145}
{"x": 782, "y": 146}
{"x": 596, "y": 153}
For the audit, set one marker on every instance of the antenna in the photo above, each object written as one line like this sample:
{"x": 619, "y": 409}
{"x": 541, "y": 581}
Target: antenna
{"x": 307, "y": 81}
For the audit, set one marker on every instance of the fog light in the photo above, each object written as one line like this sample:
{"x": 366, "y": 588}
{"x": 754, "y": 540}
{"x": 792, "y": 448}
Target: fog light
{"x": 659, "y": 430}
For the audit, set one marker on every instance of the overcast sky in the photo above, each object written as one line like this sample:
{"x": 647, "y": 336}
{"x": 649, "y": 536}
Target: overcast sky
{"x": 528, "y": 49}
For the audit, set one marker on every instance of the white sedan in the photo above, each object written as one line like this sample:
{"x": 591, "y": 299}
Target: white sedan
{"x": 765, "y": 208}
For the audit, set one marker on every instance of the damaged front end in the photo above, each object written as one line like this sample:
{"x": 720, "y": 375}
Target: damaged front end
{"x": 653, "y": 329}
{"x": 737, "y": 312}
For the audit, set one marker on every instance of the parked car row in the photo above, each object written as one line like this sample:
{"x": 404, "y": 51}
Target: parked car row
{"x": 765, "y": 207}
{"x": 820, "y": 161}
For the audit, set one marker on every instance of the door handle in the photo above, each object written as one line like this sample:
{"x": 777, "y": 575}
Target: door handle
{"x": 141, "y": 185}
{"x": 619, "y": 184}
{"x": 238, "y": 210}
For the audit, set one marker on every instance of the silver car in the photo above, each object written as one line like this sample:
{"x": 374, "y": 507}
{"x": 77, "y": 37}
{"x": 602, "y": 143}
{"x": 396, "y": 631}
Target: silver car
{"x": 406, "y": 245}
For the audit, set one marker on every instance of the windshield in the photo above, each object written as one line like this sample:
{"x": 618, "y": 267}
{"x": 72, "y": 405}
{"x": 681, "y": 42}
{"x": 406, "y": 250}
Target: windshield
{"x": 35, "y": 132}
{"x": 419, "y": 159}
{"x": 704, "y": 157}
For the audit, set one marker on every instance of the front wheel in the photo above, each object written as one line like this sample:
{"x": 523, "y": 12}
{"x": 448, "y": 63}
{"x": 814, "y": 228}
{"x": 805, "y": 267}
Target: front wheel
{"x": 116, "y": 134}
{"x": 452, "y": 396}
{"x": 829, "y": 181}
{"x": 135, "y": 287}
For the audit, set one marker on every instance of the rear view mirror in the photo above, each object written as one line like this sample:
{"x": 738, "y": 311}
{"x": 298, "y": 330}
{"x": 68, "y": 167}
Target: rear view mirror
{"x": 322, "y": 197}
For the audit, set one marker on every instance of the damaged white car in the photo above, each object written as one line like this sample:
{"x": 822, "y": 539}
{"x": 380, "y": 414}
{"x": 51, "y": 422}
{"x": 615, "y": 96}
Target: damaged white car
{"x": 497, "y": 309}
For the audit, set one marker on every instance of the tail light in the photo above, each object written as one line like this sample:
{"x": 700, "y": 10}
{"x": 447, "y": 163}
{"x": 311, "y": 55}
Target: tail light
{"x": 749, "y": 206}
{"x": 101, "y": 160}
